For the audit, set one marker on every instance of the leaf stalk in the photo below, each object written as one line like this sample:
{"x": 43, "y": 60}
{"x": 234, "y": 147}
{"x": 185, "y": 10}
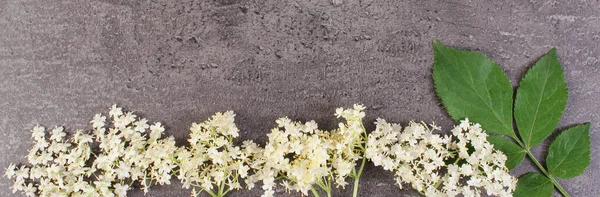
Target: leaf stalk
{"x": 552, "y": 179}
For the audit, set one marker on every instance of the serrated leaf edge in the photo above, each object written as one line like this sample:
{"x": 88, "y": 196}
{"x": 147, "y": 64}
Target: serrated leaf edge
{"x": 587, "y": 124}
{"x": 528, "y": 141}
{"x": 511, "y": 133}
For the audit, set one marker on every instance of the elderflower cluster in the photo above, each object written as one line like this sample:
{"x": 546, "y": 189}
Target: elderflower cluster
{"x": 305, "y": 156}
{"x": 347, "y": 143}
{"x": 418, "y": 157}
{"x": 130, "y": 151}
{"x": 295, "y": 151}
{"x": 212, "y": 159}
{"x": 483, "y": 167}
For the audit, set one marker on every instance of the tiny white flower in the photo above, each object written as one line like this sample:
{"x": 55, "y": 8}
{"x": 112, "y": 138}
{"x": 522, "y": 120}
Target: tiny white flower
{"x": 115, "y": 111}
{"x": 122, "y": 171}
{"x": 156, "y": 130}
{"x": 57, "y": 134}
{"x": 22, "y": 173}
{"x": 141, "y": 125}
{"x": 10, "y": 171}
{"x": 98, "y": 121}
{"x": 121, "y": 190}
{"x": 38, "y": 133}
{"x": 30, "y": 190}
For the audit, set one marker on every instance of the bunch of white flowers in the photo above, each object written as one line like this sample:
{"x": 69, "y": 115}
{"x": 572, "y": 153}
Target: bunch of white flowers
{"x": 305, "y": 156}
{"x": 71, "y": 168}
{"x": 212, "y": 159}
{"x": 477, "y": 163}
{"x": 299, "y": 156}
{"x": 415, "y": 155}
{"x": 297, "y": 153}
{"x": 418, "y": 157}
{"x": 348, "y": 144}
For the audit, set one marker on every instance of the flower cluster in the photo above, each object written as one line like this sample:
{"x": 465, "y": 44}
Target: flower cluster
{"x": 212, "y": 159}
{"x": 305, "y": 156}
{"x": 482, "y": 166}
{"x": 294, "y": 151}
{"x": 418, "y": 157}
{"x": 415, "y": 155}
{"x": 348, "y": 143}
{"x": 132, "y": 151}
{"x": 129, "y": 151}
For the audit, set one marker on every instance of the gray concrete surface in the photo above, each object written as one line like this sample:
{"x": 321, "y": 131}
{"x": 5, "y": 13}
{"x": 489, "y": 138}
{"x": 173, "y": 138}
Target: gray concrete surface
{"x": 63, "y": 61}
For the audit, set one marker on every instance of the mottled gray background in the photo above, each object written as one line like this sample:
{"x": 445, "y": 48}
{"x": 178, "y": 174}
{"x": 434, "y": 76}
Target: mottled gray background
{"x": 63, "y": 61}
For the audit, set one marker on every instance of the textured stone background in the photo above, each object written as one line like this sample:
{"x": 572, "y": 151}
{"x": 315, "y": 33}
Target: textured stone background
{"x": 63, "y": 61}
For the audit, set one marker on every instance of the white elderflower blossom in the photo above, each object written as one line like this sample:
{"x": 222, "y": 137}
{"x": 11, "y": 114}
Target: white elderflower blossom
{"x": 305, "y": 156}
{"x": 212, "y": 163}
{"x": 63, "y": 167}
{"x": 298, "y": 156}
{"x": 482, "y": 166}
{"x": 348, "y": 144}
{"x": 295, "y": 151}
{"x": 418, "y": 157}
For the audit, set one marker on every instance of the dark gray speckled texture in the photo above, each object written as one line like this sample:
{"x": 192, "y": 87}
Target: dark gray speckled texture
{"x": 63, "y": 61}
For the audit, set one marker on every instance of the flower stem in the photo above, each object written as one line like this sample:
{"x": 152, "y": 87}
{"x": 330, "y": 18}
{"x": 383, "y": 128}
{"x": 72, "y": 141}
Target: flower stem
{"x": 556, "y": 184}
{"x": 356, "y": 180}
{"x": 325, "y": 185}
{"x": 314, "y": 191}
{"x": 329, "y": 189}
{"x": 211, "y": 193}
{"x": 363, "y": 149}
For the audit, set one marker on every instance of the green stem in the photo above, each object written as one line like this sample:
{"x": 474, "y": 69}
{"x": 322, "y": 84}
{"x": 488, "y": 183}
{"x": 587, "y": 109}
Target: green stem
{"x": 329, "y": 189}
{"x": 222, "y": 190}
{"x": 363, "y": 148}
{"x": 556, "y": 184}
{"x": 438, "y": 184}
{"x": 518, "y": 141}
{"x": 211, "y": 193}
{"x": 314, "y": 191}
{"x": 539, "y": 165}
{"x": 226, "y": 191}
{"x": 357, "y": 178}
{"x": 325, "y": 186}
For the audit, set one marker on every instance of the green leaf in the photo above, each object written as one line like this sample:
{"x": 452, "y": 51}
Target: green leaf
{"x": 541, "y": 99}
{"x": 569, "y": 154}
{"x": 513, "y": 151}
{"x": 472, "y": 86}
{"x": 534, "y": 185}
